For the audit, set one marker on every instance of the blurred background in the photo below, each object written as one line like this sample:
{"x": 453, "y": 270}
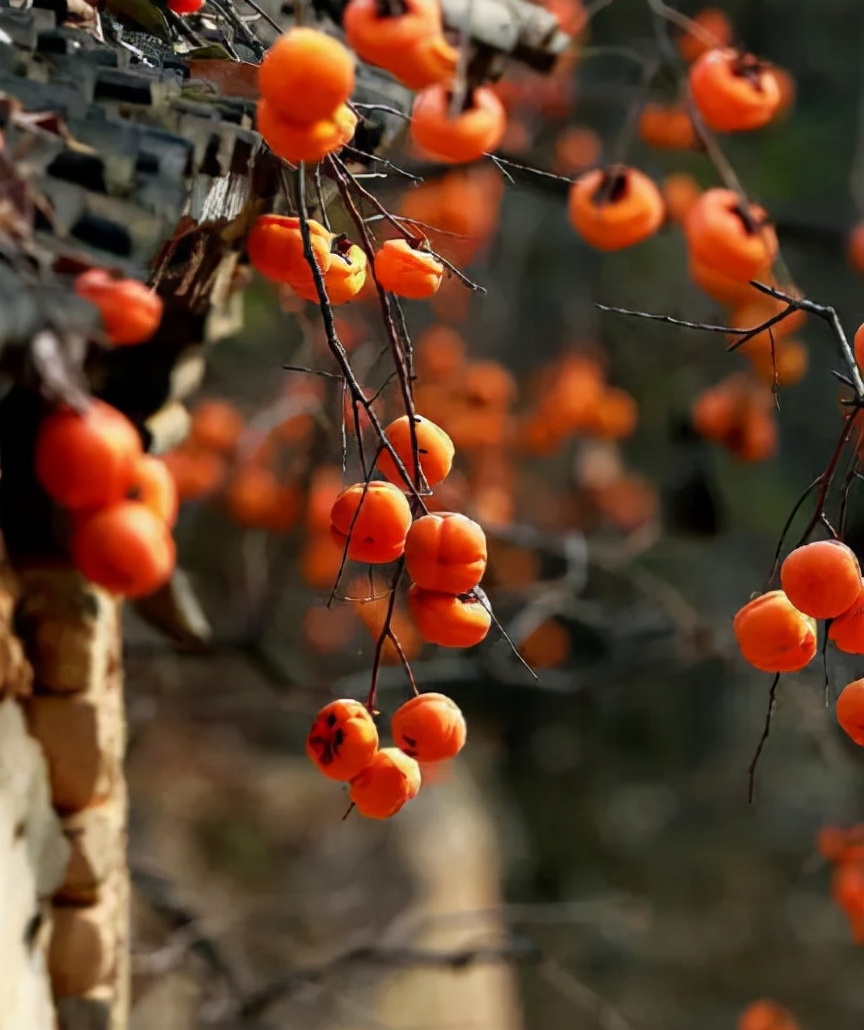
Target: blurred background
{"x": 591, "y": 859}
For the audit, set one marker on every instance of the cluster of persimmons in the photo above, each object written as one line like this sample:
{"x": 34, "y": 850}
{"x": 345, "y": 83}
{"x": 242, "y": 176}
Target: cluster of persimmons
{"x": 777, "y": 631}
{"x": 121, "y": 503}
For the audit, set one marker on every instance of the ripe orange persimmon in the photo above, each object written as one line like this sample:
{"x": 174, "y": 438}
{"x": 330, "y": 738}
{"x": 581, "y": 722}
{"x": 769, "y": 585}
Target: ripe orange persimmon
{"x": 295, "y": 142}
{"x": 847, "y": 885}
{"x": 850, "y": 711}
{"x": 87, "y": 459}
{"x": 432, "y": 61}
{"x": 131, "y": 312}
{"x": 773, "y": 635}
{"x": 216, "y": 425}
{"x": 722, "y": 234}
{"x": 766, "y": 1015}
{"x": 447, "y": 619}
{"x": 346, "y": 275}
{"x": 197, "y": 471}
{"x": 680, "y": 192}
{"x": 154, "y": 486}
{"x": 434, "y": 449}
{"x": 667, "y": 126}
{"x": 439, "y": 354}
{"x": 576, "y": 148}
{"x": 612, "y": 208}
{"x": 429, "y": 728}
{"x": 255, "y": 498}
{"x": 785, "y": 363}
{"x": 733, "y": 90}
{"x": 390, "y": 780}
{"x": 465, "y": 137}
{"x": 275, "y": 248}
{"x": 407, "y": 271}
{"x": 343, "y": 739}
{"x": 855, "y": 246}
{"x": 377, "y": 35}
{"x": 718, "y": 285}
{"x": 374, "y": 519}
{"x": 320, "y": 561}
{"x": 822, "y": 578}
{"x": 306, "y": 75}
{"x": 711, "y": 28}
{"x": 446, "y": 551}
{"x": 124, "y": 548}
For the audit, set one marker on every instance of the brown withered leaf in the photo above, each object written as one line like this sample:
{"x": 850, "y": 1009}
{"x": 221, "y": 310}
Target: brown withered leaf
{"x": 230, "y": 78}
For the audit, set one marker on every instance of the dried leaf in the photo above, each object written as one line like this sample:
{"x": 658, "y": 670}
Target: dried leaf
{"x": 140, "y": 14}
{"x": 230, "y": 78}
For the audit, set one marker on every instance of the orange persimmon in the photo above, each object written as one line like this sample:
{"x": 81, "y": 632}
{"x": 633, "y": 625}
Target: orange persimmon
{"x": 446, "y": 551}
{"x": 733, "y": 91}
{"x": 435, "y": 451}
{"x": 407, "y": 270}
{"x": 773, "y": 635}
{"x": 306, "y": 75}
{"x": 343, "y": 739}
{"x": 374, "y": 519}
{"x": 124, "y": 548}
{"x": 616, "y": 207}
{"x": 463, "y": 137}
{"x": 391, "y": 779}
{"x": 430, "y": 728}
{"x": 447, "y": 619}
{"x": 86, "y": 459}
{"x": 850, "y": 711}
{"x": 822, "y": 578}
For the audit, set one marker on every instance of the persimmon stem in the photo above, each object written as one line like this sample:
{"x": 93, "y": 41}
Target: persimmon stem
{"x": 766, "y": 731}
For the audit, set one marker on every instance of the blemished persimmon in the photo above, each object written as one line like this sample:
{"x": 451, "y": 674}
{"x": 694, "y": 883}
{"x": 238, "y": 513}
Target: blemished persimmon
{"x": 388, "y": 782}
{"x": 765, "y": 1014}
{"x": 275, "y": 248}
{"x": 154, "y": 486}
{"x": 462, "y": 137}
{"x": 374, "y": 519}
{"x": 343, "y": 739}
{"x": 447, "y": 619}
{"x": 722, "y": 234}
{"x": 435, "y": 451}
{"x": 87, "y": 459}
{"x": 446, "y": 551}
{"x": 407, "y": 271}
{"x": 773, "y": 635}
{"x": 306, "y": 75}
{"x": 850, "y": 711}
{"x": 822, "y": 578}
{"x": 616, "y": 207}
{"x": 295, "y": 142}
{"x": 130, "y": 310}
{"x": 711, "y": 28}
{"x": 429, "y": 728}
{"x": 733, "y": 91}
{"x": 124, "y": 548}
{"x": 216, "y": 425}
